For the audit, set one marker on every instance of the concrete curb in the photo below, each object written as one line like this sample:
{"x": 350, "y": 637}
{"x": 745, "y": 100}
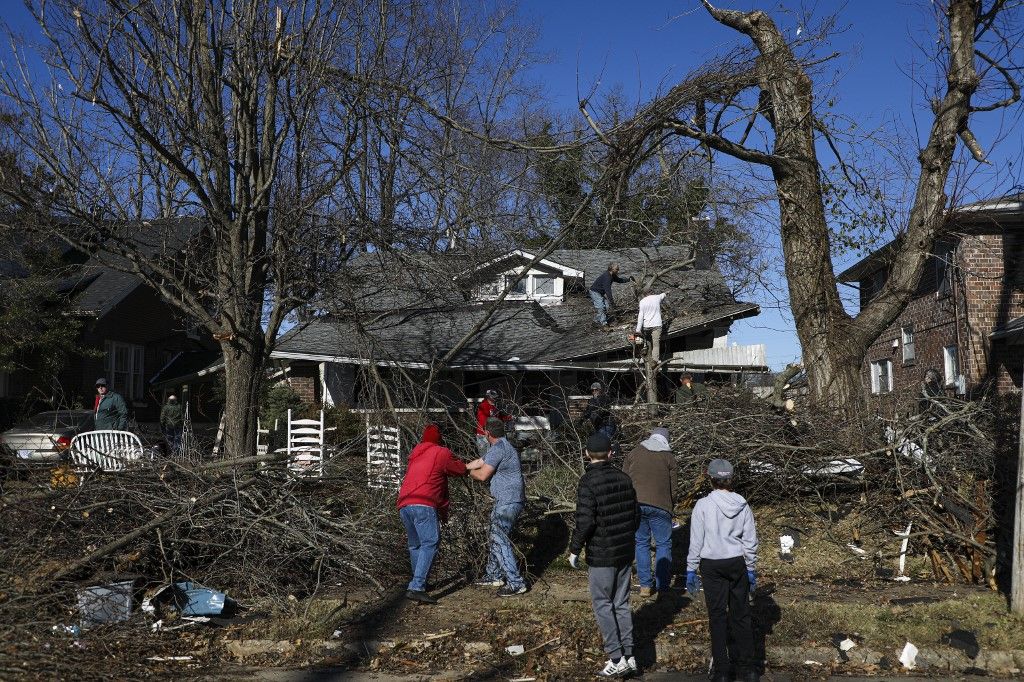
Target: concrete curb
{"x": 943, "y": 659}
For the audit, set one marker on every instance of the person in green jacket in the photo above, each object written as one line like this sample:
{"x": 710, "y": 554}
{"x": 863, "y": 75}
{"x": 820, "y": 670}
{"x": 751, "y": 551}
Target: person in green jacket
{"x": 111, "y": 413}
{"x": 688, "y": 391}
{"x": 172, "y": 423}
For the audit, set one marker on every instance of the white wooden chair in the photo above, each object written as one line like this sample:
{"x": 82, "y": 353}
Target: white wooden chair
{"x": 305, "y": 446}
{"x": 262, "y": 439}
{"x": 383, "y": 456}
{"x": 105, "y": 451}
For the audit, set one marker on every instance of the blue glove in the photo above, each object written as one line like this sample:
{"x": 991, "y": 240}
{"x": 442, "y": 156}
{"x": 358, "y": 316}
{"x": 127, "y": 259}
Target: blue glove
{"x": 752, "y": 579}
{"x": 692, "y": 583}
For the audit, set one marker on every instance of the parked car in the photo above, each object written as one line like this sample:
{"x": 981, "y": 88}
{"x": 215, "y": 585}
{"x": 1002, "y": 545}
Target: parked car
{"x": 45, "y": 436}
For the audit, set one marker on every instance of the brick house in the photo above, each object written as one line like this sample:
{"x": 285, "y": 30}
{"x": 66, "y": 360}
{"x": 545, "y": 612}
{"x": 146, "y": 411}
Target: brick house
{"x": 961, "y": 321}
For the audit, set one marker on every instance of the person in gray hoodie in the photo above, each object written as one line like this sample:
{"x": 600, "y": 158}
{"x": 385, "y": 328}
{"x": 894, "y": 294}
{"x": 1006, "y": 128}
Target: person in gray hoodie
{"x": 723, "y": 545}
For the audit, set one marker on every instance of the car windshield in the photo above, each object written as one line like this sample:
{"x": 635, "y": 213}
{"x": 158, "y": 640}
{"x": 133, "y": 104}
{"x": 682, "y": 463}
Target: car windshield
{"x": 58, "y": 420}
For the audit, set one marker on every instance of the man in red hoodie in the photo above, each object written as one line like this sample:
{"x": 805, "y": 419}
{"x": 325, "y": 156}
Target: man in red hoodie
{"x": 423, "y": 504}
{"x": 488, "y": 408}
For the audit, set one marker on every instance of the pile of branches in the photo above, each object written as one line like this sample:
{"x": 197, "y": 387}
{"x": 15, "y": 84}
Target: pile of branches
{"x": 255, "y": 532}
{"x": 934, "y": 466}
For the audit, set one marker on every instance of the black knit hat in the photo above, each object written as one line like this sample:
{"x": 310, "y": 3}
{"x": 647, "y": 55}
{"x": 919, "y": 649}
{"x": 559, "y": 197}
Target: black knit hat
{"x": 597, "y": 443}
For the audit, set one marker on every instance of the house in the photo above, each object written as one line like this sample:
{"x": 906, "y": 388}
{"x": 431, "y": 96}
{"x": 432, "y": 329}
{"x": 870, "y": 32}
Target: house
{"x": 962, "y": 319}
{"x": 129, "y": 334}
{"x": 400, "y": 313}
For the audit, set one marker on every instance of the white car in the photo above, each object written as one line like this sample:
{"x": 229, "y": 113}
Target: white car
{"x": 45, "y": 436}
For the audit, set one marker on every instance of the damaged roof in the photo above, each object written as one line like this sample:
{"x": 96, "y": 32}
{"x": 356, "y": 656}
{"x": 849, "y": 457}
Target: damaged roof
{"x": 393, "y": 315}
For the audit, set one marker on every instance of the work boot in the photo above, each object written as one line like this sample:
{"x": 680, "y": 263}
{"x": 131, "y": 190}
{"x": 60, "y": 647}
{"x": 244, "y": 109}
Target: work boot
{"x": 721, "y": 676}
{"x": 420, "y": 596}
{"x": 646, "y": 591}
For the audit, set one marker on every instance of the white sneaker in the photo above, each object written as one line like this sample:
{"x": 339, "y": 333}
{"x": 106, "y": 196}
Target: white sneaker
{"x": 612, "y": 669}
{"x": 631, "y": 662}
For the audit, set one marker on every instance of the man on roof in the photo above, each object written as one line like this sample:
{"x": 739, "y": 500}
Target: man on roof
{"x": 601, "y": 293}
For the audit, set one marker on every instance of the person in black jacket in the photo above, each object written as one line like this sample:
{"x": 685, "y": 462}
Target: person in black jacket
{"x": 598, "y": 411}
{"x": 601, "y": 293}
{"x": 607, "y": 516}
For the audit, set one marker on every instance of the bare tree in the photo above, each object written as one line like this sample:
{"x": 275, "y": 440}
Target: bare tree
{"x": 768, "y": 94}
{"x": 238, "y": 114}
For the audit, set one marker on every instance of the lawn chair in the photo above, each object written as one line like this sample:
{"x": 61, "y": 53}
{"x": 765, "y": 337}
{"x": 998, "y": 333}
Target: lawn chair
{"x": 105, "y": 451}
{"x": 305, "y": 446}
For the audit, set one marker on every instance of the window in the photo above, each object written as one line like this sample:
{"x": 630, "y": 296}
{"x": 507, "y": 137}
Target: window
{"x": 881, "y": 376}
{"x": 124, "y": 368}
{"x": 519, "y": 287}
{"x": 538, "y": 285}
{"x": 543, "y": 285}
{"x": 951, "y": 360}
{"x": 908, "y": 344}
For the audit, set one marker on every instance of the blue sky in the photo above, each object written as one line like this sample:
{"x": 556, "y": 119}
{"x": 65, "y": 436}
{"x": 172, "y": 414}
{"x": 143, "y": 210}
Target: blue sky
{"x": 642, "y": 45}
{"x": 645, "y": 44}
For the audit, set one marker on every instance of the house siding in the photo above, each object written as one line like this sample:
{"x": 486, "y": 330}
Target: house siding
{"x": 986, "y": 292}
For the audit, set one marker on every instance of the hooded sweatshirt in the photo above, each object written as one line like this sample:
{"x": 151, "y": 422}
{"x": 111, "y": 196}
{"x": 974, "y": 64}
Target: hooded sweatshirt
{"x": 426, "y": 478}
{"x": 722, "y": 527}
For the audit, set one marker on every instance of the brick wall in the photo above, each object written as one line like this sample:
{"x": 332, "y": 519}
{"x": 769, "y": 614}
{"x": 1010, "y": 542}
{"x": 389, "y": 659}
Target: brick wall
{"x": 992, "y": 266}
{"x": 934, "y": 322}
{"x": 987, "y": 291}
{"x": 304, "y": 379}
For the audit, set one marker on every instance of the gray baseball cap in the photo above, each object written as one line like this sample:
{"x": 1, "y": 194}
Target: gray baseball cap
{"x": 720, "y": 469}
{"x": 596, "y": 386}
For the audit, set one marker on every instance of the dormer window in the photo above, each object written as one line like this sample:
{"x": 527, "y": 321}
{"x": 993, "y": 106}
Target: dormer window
{"x": 544, "y": 283}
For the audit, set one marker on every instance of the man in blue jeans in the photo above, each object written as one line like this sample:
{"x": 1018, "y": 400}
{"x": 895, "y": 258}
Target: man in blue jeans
{"x": 653, "y": 470}
{"x": 601, "y": 293}
{"x": 501, "y": 466}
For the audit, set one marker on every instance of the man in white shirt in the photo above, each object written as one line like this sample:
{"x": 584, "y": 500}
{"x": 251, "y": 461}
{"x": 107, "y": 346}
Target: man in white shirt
{"x": 648, "y": 320}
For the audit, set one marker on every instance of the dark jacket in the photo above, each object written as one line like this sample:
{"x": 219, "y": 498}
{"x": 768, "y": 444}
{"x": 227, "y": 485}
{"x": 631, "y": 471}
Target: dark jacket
{"x": 598, "y": 410}
{"x": 607, "y": 516}
{"x": 111, "y": 413}
{"x": 171, "y": 417}
{"x": 654, "y": 477}
{"x": 691, "y": 394}
{"x": 603, "y": 284}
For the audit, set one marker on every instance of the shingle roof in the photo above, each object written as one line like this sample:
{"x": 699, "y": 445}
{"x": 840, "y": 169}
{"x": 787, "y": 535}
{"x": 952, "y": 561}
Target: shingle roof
{"x": 105, "y": 281}
{"x": 524, "y": 331}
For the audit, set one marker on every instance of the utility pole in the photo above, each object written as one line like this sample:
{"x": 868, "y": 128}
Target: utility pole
{"x": 1017, "y": 555}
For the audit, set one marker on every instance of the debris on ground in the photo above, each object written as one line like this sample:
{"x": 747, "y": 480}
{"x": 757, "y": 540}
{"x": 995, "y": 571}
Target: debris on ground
{"x": 909, "y": 656}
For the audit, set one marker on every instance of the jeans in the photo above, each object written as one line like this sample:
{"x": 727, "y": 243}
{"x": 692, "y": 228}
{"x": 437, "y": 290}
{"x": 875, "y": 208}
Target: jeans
{"x": 726, "y": 592}
{"x": 656, "y": 522}
{"x": 501, "y": 562}
{"x": 609, "y": 595}
{"x": 424, "y": 535}
{"x": 608, "y": 429}
{"x": 601, "y": 306}
{"x": 172, "y": 437}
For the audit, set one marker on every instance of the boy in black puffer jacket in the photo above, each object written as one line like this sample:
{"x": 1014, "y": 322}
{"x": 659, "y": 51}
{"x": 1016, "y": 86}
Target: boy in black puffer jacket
{"x": 607, "y": 516}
